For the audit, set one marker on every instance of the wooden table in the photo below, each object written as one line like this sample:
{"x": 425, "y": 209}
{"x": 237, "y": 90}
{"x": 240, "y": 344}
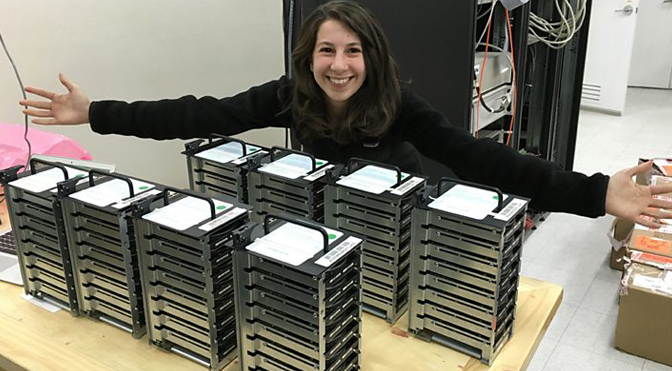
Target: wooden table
{"x": 32, "y": 338}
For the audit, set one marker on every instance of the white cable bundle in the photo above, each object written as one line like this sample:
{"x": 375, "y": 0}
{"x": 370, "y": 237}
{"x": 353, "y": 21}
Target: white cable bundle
{"x": 558, "y": 34}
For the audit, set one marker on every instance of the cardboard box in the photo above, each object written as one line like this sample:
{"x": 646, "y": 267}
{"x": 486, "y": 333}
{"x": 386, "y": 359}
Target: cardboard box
{"x": 619, "y": 237}
{"x": 644, "y": 326}
{"x": 662, "y": 180}
{"x": 657, "y": 241}
{"x": 661, "y": 167}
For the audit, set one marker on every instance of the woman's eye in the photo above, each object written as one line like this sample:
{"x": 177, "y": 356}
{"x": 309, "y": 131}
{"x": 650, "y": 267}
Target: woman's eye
{"x": 326, "y": 50}
{"x": 354, "y": 50}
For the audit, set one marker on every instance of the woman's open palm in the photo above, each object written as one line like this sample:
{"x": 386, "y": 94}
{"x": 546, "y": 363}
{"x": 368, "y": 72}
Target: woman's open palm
{"x": 71, "y": 108}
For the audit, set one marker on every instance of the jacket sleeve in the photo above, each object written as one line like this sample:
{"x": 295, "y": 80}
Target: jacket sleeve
{"x": 191, "y": 117}
{"x": 488, "y": 162}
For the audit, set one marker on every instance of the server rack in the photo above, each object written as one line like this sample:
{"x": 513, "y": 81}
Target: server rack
{"x": 39, "y": 231}
{"x": 101, "y": 237}
{"x": 464, "y": 279}
{"x": 385, "y": 220}
{"x": 552, "y": 91}
{"x": 217, "y": 169}
{"x": 298, "y": 317}
{"x": 302, "y": 196}
{"x": 187, "y": 277}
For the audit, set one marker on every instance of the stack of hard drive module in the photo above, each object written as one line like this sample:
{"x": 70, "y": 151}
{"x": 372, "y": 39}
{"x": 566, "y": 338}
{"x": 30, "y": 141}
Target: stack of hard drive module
{"x": 36, "y": 214}
{"x": 288, "y": 182}
{"x": 101, "y": 236}
{"x": 186, "y": 248}
{"x": 220, "y": 167}
{"x": 376, "y": 201}
{"x": 298, "y": 297}
{"x": 467, "y": 241}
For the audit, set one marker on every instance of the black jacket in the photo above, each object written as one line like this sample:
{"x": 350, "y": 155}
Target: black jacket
{"x": 418, "y": 125}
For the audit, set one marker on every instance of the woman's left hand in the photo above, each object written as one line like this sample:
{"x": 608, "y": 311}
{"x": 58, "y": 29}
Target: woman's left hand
{"x": 638, "y": 203}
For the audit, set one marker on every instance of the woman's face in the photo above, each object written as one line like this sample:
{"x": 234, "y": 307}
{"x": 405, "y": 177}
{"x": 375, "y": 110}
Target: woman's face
{"x": 338, "y": 63}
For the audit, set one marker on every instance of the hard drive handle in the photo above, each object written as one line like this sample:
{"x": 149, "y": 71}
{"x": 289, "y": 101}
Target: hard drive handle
{"x": 302, "y": 223}
{"x": 33, "y": 161}
{"x": 230, "y": 139}
{"x": 112, "y": 175}
{"x": 283, "y": 149}
{"x": 500, "y": 195}
{"x": 213, "y": 213}
{"x": 363, "y": 161}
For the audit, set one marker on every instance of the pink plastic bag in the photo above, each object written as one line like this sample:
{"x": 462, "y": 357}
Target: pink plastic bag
{"x": 14, "y": 150}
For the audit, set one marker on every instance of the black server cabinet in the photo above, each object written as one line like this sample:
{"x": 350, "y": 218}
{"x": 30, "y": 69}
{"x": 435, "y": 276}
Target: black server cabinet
{"x": 552, "y": 96}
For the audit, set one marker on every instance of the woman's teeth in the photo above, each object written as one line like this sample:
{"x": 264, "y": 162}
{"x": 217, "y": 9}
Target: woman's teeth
{"x": 339, "y": 81}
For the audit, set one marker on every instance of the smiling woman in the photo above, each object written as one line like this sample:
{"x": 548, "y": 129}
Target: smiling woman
{"x": 345, "y": 100}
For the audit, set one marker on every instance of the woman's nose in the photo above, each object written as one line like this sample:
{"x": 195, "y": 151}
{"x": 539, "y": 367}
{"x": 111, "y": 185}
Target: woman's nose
{"x": 339, "y": 63}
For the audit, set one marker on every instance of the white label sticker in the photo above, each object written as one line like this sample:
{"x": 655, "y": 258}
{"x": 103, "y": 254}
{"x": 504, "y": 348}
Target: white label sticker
{"x": 652, "y": 283}
{"x": 222, "y": 219}
{"x": 244, "y": 159}
{"x": 291, "y": 166}
{"x": 467, "y": 201}
{"x": 371, "y": 179}
{"x": 337, "y": 252}
{"x": 318, "y": 174}
{"x": 125, "y": 203}
{"x": 107, "y": 193}
{"x": 46, "y": 179}
{"x": 185, "y": 213}
{"x": 407, "y": 186}
{"x": 226, "y": 152}
{"x": 292, "y": 244}
{"x": 510, "y": 210}
{"x": 668, "y": 279}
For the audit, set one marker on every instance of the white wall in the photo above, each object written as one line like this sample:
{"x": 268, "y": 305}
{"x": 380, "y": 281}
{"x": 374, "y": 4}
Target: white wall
{"x": 141, "y": 50}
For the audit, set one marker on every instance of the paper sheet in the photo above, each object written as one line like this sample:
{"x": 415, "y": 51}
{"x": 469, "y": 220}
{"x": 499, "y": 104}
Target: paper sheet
{"x": 185, "y": 213}
{"x": 46, "y": 179}
{"x": 12, "y": 275}
{"x": 292, "y": 244}
{"x": 471, "y": 202}
{"x": 291, "y": 166}
{"x": 372, "y": 179}
{"x": 226, "y": 152}
{"x": 112, "y": 191}
{"x": 9, "y": 269}
{"x": 41, "y": 303}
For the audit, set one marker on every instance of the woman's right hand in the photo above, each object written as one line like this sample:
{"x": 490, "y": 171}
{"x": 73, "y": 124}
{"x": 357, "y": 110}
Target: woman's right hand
{"x": 71, "y": 108}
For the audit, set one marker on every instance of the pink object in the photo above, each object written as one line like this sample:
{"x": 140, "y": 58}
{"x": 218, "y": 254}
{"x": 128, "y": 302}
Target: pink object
{"x": 14, "y": 150}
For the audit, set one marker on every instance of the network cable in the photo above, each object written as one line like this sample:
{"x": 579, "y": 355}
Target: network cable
{"x": 556, "y": 35}
{"x": 23, "y": 92}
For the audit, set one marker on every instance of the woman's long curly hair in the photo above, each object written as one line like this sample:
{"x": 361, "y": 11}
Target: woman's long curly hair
{"x": 373, "y": 108}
